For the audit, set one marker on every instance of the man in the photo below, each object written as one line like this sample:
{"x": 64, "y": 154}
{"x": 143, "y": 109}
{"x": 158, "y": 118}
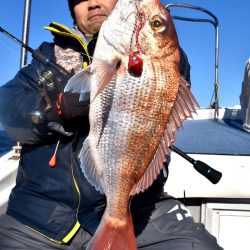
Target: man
{"x": 52, "y": 205}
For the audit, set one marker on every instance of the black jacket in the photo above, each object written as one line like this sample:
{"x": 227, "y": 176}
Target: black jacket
{"x": 52, "y": 201}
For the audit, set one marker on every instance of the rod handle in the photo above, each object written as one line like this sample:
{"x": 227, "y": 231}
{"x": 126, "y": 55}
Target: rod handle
{"x": 210, "y": 173}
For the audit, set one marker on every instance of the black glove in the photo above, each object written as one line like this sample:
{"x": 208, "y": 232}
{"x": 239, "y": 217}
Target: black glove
{"x": 69, "y": 112}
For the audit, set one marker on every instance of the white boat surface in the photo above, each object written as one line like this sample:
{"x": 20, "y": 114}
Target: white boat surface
{"x": 8, "y": 171}
{"x": 223, "y": 145}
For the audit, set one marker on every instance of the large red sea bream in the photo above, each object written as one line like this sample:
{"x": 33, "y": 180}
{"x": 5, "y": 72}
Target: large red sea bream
{"x": 138, "y": 100}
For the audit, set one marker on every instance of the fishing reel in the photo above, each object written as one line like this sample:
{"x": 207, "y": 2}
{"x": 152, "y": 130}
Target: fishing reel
{"x": 38, "y": 117}
{"x": 46, "y": 84}
{"x": 46, "y": 80}
{"x": 49, "y": 84}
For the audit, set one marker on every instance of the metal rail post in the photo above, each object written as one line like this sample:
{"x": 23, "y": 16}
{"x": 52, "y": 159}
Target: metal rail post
{"x": 25, "y": 35}
{"x": 215, "y": 23}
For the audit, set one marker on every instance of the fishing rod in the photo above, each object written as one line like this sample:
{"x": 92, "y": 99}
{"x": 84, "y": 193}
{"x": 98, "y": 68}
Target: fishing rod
{"x": 36, "y": 54}
{"x": 210, "y": 173}
{"x": 215, "y": 23}
{"x": 45, "y": 83}
{"x": 48, "y": 80}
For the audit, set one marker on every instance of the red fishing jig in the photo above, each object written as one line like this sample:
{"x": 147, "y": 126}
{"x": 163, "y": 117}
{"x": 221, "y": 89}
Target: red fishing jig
{"x": 135, "y": 64}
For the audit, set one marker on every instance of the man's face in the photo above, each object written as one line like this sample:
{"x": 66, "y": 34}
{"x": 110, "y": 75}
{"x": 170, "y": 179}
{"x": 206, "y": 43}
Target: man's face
{"x": 90, "y": 14}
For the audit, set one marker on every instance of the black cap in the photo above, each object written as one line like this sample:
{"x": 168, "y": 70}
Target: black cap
{"x": 72, "y": 4}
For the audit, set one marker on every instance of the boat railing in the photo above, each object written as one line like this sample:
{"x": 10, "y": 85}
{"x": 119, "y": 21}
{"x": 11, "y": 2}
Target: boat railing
{"x": 214, "y": 21}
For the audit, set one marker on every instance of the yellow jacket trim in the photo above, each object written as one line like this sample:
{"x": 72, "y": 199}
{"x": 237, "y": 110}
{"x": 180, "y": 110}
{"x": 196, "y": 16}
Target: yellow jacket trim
{"x": 72, "y": 233}
{"x": 53, "y": 240}
{"x": 77, "y": 225}
{"x": 65, "y": 239}
{"x": 64, "y": 30}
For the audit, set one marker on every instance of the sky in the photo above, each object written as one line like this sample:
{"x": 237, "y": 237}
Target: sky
{"x": 197, "y": 39}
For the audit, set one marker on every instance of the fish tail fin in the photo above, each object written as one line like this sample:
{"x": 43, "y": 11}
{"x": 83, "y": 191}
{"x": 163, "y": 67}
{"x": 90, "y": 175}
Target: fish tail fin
{"x": 113, "y": 234}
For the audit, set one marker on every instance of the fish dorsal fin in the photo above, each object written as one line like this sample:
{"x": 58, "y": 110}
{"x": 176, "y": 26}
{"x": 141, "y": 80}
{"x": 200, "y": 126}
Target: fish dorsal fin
{"x": 80, "y": 83}
{"x": 93, "y": 174}
{"x": 185, "y": 104}
{"x": 105, "y": 70}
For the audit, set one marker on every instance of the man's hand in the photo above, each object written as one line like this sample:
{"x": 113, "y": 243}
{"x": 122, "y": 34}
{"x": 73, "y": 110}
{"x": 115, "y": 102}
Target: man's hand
{"x": 68, "y": 111}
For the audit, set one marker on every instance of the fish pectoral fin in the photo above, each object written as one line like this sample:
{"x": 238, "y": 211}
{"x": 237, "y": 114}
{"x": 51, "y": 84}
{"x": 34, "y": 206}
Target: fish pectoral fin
{"x": 105, "y": 70}
{"x": 80, "y": 83}
{"x": 184, "y": 106}
{"x": 92, "y": 173}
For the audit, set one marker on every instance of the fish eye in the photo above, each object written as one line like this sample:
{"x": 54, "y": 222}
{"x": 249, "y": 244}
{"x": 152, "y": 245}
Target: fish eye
{"x": 157, "y": 24}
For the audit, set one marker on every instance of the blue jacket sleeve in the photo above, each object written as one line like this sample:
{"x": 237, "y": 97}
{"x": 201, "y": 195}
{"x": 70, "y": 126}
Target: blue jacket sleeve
{"x": 19, "y": 98}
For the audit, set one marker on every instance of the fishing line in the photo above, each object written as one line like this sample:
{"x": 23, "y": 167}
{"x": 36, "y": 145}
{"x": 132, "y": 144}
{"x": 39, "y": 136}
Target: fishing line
{"x": 212, "y": 97}
{"x": 91, "y": 57}
{"x": 7, "y": 50}
{"x": 5, "y": 45}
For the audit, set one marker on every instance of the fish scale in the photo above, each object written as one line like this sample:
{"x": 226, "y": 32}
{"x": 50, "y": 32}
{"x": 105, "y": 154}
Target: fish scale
{"x": 135, "y": 94}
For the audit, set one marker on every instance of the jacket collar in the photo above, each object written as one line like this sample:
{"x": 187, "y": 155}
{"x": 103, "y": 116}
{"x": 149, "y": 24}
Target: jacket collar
{"x": 74, "y": 33}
